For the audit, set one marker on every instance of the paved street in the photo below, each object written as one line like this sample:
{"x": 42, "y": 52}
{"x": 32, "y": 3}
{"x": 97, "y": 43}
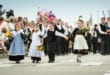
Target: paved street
{"x": 64, "y": 65}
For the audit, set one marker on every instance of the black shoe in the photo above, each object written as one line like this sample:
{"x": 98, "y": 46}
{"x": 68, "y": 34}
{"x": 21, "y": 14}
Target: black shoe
{"x": 37, "y": 61}
{"x": 103, "y": 54}
{"x": 108, "y": 53}
{"x": 17, "y": 62}
{"x": 78, "y": 60}
{"x": 33, "y": 61}
{"x": 51, "y": 61}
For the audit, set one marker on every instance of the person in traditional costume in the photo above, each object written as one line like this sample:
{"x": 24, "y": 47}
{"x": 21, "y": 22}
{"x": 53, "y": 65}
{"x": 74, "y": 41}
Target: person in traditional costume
{"x": 95, "y": 37}
{"x": 12, "y": 24}
{"x": 60, "y": 41}
{"x": 34, "y": 52}
{"x": 102, "y": 30}
{"x": 88, "y": 35}
{"x": 4, "y": 28}
{"x": 66, "y": 28}
{"x": 20, "y": 22}
{"x": 27, "y": 32}
{"x": 16, "y": 51}
{"x": 44, "y": 29}
{"x": 108, "y": 35}
{"x": 70, "y": 36}
{"x": 51, "y": 34}
{"x": 80, "y": 43}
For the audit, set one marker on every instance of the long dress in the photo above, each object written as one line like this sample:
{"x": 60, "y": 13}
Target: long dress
{"x": 36, "y": 41}
{"x": 16, "y": 51}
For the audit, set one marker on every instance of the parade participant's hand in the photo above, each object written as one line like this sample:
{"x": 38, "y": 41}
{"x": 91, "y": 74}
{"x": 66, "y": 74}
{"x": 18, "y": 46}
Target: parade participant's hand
{"x": 108, "y": 31}
{"x": 66, "y": 38}
{"x": 105, "y": 33}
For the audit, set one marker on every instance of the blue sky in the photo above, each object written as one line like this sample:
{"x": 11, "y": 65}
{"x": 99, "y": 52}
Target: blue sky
{"x": 68, "y": 10}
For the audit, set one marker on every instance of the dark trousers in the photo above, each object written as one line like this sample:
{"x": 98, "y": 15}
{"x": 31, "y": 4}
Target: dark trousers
{"x": 103, "y": 44}
{"x": 66, "y": 46}
{"x": 89, "y": 41}
{"x": 108, "y": 44}
{"x": 45, "y": 46}
{"x": 63, "y": 46}
{"x": 27, "y": 42}
{"x": 99, "y": 47}
{"x": 51, "y": 48}
{"x": 95, "y": 44}
{"x": 60, "y": 46}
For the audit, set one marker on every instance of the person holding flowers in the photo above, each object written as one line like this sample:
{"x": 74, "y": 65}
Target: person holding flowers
{"x": 16, "y": 51}
{"x": 80, "y": 43}
{"x": 36, "y": 47}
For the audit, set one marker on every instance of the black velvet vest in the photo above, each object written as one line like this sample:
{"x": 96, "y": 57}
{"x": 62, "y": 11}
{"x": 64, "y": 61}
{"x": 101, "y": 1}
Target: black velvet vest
{"x": 51, "y": 38}
{"x": 59, "y": 30}
{"x": 103, "y": 27}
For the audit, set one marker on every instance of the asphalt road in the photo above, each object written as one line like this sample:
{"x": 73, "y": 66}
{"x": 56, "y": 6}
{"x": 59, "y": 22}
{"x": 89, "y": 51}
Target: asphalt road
{"x": 64, "y": 65}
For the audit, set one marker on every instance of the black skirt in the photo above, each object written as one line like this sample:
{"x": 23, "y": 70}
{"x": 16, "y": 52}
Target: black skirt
{"x": 83, "y": 52}
{"x": 36, "y": 58}
{"x": 16, "y": 58}
{"x": 60, "y": 43}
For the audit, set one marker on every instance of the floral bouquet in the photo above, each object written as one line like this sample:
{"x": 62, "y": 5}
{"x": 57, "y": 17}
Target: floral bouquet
{"x": 83, "y": 31}
{"x": 8, "y": 34}
{"x": 40, "y": 47}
